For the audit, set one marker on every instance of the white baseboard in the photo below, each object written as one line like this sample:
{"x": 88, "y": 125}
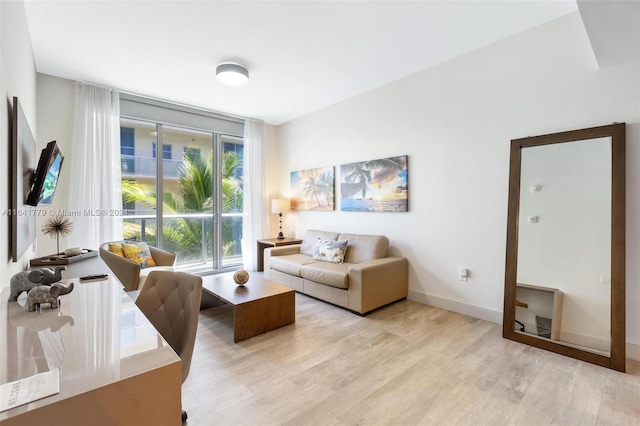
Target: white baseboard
{"x": 458, "y": 307}
{"x": 632, "y": 349}
{"x": 585, "y": 341}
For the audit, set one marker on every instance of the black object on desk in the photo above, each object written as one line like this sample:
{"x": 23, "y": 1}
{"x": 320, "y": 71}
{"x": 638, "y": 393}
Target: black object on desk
{"x": 94, "y": 277}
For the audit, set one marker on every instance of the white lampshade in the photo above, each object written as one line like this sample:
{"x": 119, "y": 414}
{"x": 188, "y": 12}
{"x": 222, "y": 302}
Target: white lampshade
{"x": 232, "y": 74}
{"x": 279, "y": 205}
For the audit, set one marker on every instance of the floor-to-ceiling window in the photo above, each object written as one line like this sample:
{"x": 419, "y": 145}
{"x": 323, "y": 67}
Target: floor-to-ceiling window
{"x": 199, "y": 174}
{"x": 231, "y": 203}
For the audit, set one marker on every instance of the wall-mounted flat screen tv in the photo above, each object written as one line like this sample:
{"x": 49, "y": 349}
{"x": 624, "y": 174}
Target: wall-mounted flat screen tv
{"x": 46, "y": 176}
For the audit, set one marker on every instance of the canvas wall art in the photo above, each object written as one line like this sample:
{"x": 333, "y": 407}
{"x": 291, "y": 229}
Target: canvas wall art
{"x": 375, "y": 185}
{"x": 313, "y": 189}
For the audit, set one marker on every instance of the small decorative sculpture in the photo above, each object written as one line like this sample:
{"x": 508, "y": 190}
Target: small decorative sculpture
{"x": 26, "y": 280}
{"x": 19, "y": 283}
{"x": 46, "y": 276}
{"x": 72, "y": 251}
{"x": 241, "y": 277}
{"x": 44, "y": 294}
{"x": 57, "y": 226}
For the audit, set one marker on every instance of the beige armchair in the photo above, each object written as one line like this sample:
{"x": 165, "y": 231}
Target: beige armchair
{"x": 128, "y": 272}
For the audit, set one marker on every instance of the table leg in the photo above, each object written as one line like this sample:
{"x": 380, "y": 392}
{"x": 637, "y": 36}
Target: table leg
{"x": 259, "y": 316}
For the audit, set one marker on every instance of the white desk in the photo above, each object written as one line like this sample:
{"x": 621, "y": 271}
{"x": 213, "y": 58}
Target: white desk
{"x": 114, "y": 367}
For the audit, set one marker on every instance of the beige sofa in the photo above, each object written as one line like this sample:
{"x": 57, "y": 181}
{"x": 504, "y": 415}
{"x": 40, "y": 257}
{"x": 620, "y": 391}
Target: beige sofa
{"x": 368, "y": 278}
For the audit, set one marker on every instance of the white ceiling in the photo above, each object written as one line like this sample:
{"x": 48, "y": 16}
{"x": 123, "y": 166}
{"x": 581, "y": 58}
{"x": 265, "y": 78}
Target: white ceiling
{"x": 301, "y": 55}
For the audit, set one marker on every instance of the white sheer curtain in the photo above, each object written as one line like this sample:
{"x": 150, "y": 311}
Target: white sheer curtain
{"x": 254, "y": 223}
{"x": 95, "y": 191}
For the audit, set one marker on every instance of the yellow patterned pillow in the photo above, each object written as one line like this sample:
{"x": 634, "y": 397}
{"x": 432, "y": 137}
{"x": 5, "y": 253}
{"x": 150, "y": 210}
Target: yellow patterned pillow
{"x": 140, "y": 253}
{"x": 116, "y": 249}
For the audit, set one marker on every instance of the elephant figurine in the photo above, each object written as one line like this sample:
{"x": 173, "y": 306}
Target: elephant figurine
{"x": 26, "y": 280}
{"x": 45, "y": 294}
{"x": 46, "y": 276}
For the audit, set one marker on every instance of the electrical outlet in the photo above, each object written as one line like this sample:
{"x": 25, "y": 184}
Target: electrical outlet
{"x": 463, "y": 273}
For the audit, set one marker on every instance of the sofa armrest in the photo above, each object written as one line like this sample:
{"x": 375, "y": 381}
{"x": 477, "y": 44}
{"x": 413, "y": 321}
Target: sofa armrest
{"x": 277, "y": 251}
{"x": 282, "y": 250}
{"x": 126, "y": 271}
{"x": 161, "y": 257}
{"x": 377, "y": 282}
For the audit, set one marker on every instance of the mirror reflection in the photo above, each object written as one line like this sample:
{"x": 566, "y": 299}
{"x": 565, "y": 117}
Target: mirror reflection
{"x": 563, "y": 279}
{"x": 565, "y": 263}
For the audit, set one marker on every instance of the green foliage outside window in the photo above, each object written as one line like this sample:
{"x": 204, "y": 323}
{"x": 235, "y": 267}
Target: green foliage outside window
{"x": 184, "y": 236}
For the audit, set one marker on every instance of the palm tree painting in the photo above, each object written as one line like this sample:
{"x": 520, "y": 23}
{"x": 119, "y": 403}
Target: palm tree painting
{"x": 375, "y": 185}
{"x": 312, "y": 189}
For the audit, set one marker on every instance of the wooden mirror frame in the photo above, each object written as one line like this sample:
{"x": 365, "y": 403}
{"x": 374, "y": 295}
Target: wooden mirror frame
{"x": 617, "y": 354}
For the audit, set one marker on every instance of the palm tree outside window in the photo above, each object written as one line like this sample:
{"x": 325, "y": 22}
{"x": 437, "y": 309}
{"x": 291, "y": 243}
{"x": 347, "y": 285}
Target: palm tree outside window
{"x": 201, "y": 223}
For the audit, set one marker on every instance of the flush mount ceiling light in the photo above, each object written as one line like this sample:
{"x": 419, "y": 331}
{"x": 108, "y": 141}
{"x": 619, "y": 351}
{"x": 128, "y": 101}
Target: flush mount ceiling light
{"x": 232, "y": 74}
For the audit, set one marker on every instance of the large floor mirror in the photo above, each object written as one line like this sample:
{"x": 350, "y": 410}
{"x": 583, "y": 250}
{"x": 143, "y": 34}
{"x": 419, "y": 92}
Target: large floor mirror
{"x": 565, "y": 263}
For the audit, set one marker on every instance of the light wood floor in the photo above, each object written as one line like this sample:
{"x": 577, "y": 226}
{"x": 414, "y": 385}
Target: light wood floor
{"x": 405, "y": 364}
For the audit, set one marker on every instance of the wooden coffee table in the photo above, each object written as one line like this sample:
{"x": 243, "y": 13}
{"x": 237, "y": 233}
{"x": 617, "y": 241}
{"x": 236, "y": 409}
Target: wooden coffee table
{"x": 258, "y": 306}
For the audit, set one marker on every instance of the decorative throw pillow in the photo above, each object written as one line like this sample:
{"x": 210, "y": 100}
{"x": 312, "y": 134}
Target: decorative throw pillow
{"x": 116, "y": 249}
{"x": 140, "y": 253}
{"x": 330, "y": 251}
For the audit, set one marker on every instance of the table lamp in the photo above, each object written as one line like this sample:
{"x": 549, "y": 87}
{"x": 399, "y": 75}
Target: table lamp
{"x": 278, "y": 206}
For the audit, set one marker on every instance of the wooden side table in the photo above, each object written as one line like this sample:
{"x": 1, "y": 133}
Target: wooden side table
{"x": 272, "y": 242}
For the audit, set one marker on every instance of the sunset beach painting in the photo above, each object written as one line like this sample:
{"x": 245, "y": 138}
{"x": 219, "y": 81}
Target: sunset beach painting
{"x": 375, "y": 185}
{"x": 313, "y": 189}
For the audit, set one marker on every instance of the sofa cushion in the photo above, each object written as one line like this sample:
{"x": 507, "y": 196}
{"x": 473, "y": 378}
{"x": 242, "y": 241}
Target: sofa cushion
{"x": 289, "y": 263}
{"x": 363, "y": 248}
{"x": 311, "y": 237}
{"x": 331, "y": 274}
{"x": 330, "y": 251}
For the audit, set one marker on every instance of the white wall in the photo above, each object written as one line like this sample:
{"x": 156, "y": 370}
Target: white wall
{"x": 17, "y": 78}
{"x": 55, "y": 101}
{"x": 455, "y": 121}
{"x": 274, "y": 169}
